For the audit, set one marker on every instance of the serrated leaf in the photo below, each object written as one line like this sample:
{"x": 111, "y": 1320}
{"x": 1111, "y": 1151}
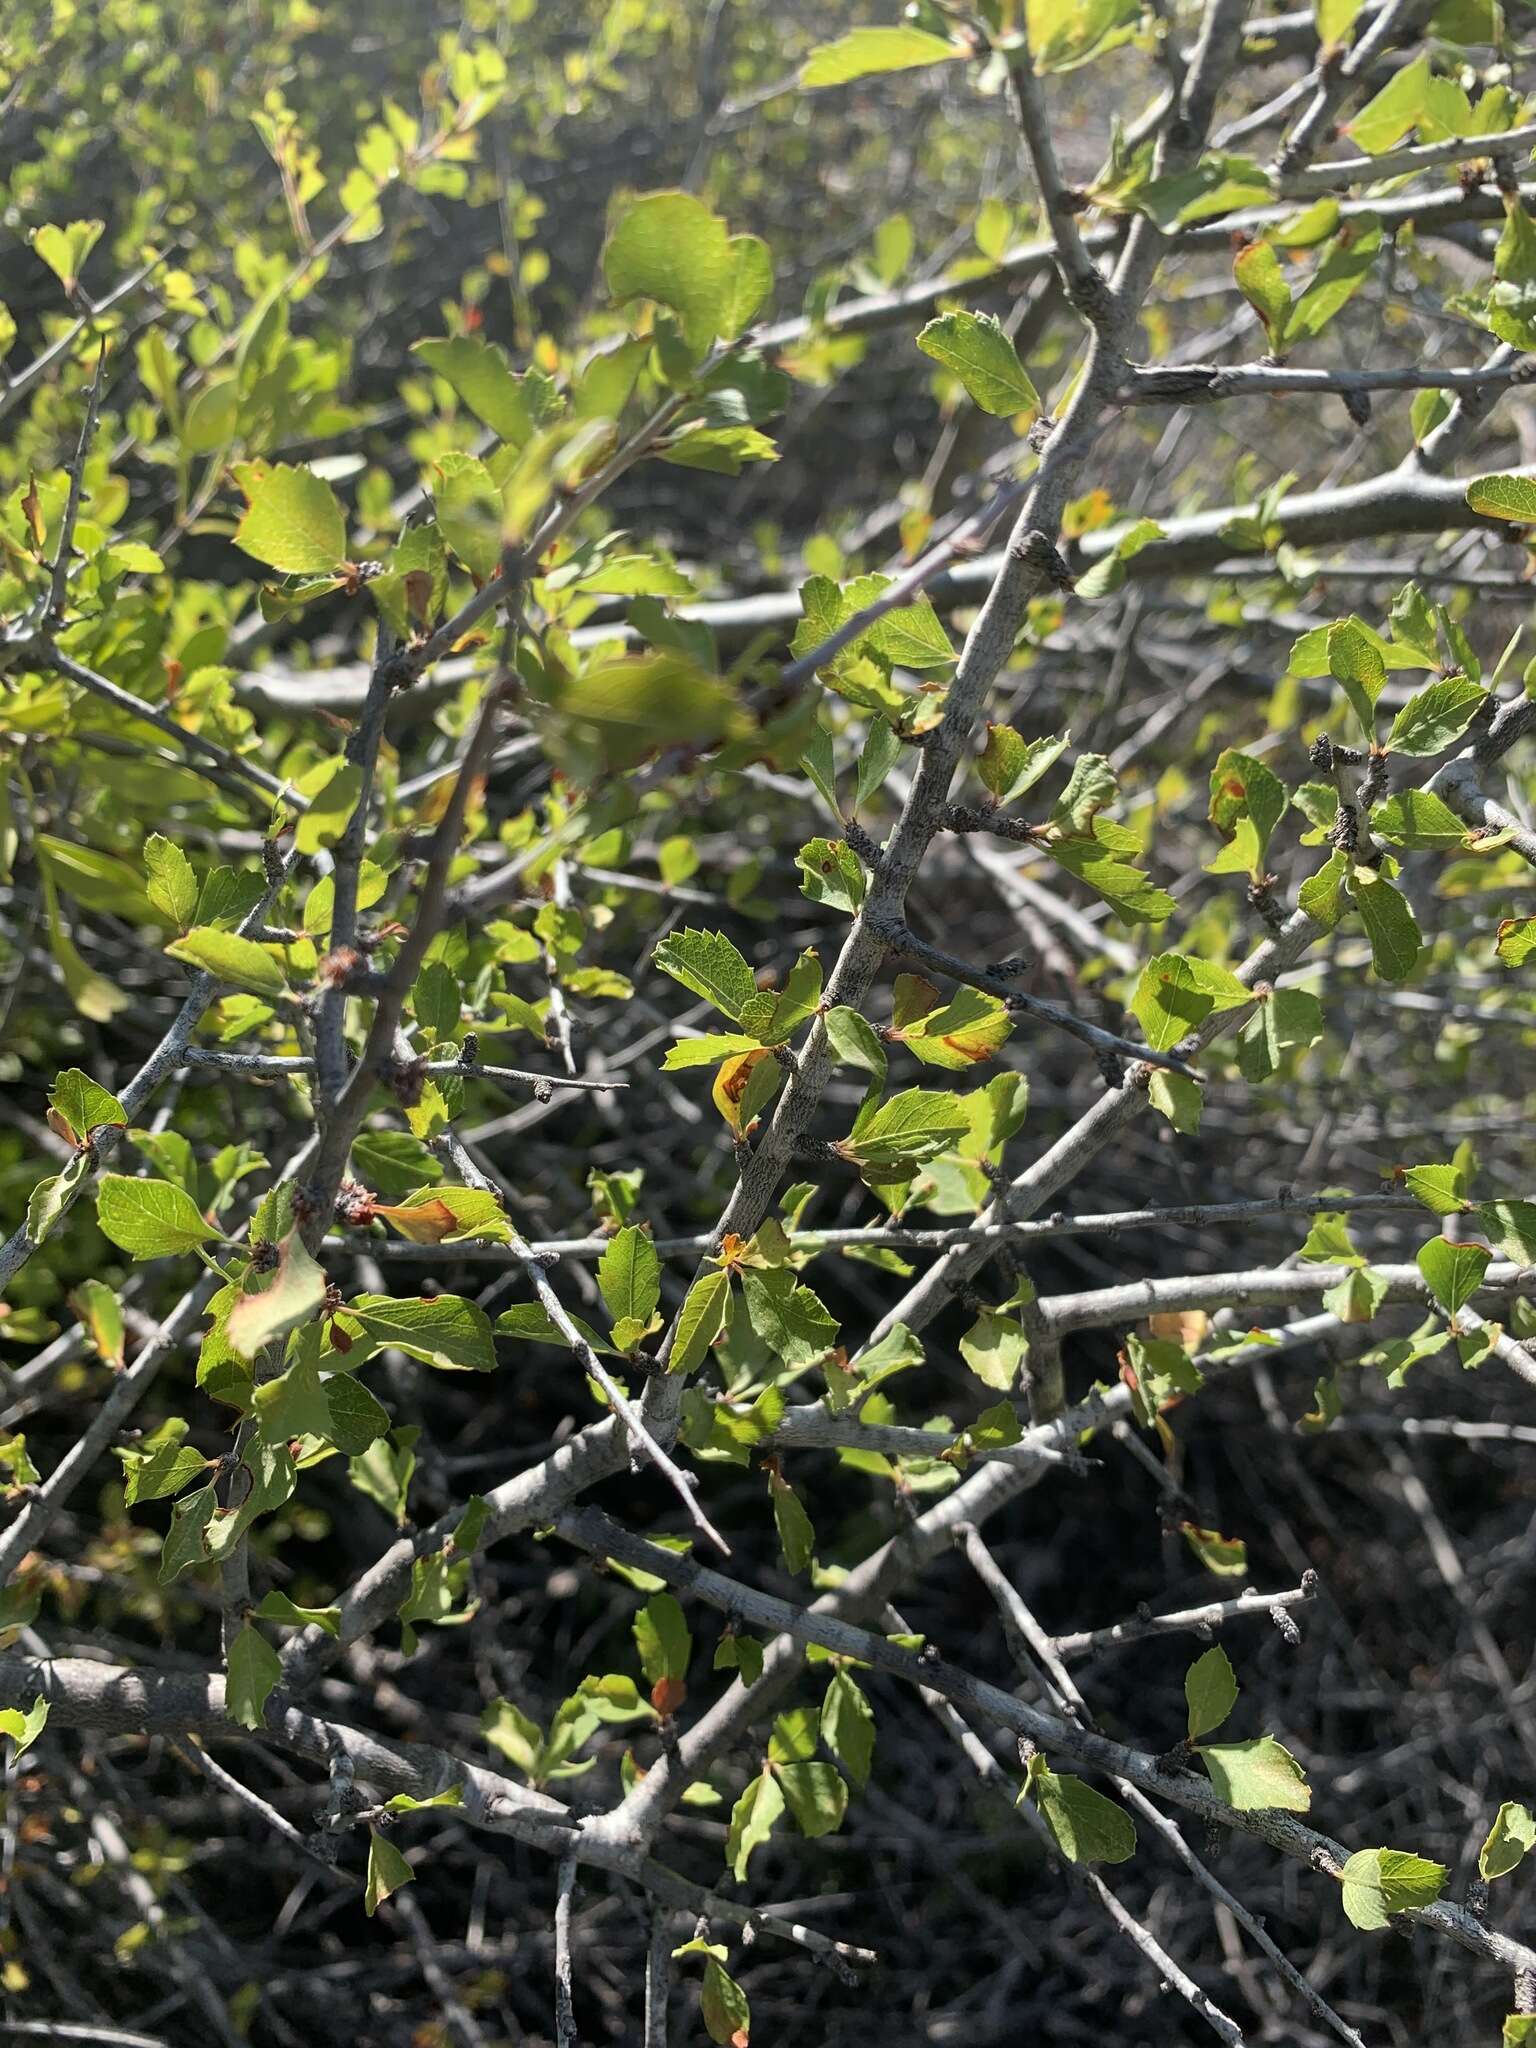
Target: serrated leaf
{"x": 1380, "y": 1882}
{"x": 447, "y": 1332}
{"x": 1435, "y": 716}
{"x": 1442, "y": 1189}
{"x": 84, "y": 1106}
{"x": 1417, "y": 818}
{"x": 294, "y": 523}
{"x": 1504, "y": 497}
{"x": 709, "y": 965}
{"x": 790, "y": 1318}
{"x": 1257, "y": 1776}
{"x": 669, "y": 247}
{"x": 150, "y": 1219}
{"x": 1511, "y": 1227}
{"x": 1453, "y": 1272}
{"x": 1010, "y": 765}
{"x": 481, "y": 376}
{"x": 1210, "y": 1691}
{"x": 1509, "y": 1841}
{"x": 1085, "y": 1826}
{"x": 278, "y": 1607}
{"x": 1358, "y": 664}
{"x": 629, "y": 1276}
{"x": 1390, "y": 926}
{"x": 291, "y": 1297}
{"x": 171, "y": 886}
{"x": 974, "y": 347}
{"x": 703, "y": 1317}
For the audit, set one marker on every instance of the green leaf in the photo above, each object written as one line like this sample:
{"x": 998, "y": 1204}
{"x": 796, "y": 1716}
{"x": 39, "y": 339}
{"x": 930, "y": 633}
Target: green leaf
{"x": 663, "y": 1639}
{"x": 84, "y": 1105}
{"x": 254, "y": 1668}
{"x": 1356, "y": 663}
{"x": 1512, "y": 1228}
{"x": 1380, "y": 1882}
{"x": 629, "y": 1277}
{"x": 150, "y": 1219}
{"x": 1263, "y": 284}
{"x": 832, "y": 875}
{"x": 1453, "y": 1272}
{"x": 797, "y": 1538}
{"x": 1066, "y": 33}
{"x": 172, "y": 886}
{"x": 1226, "y": 1556}
{"x": 981, "y": 355}
{"x": 865, "y": 51}
{"x": 230, "y": 958}
{"x": 1286, "y": 1020}
{"x": 1442, "y": 1189}
{"x": 1400, "y": 105}
{"x": 1347, "y": 263}
{"x": 703, "y": 1317}
{"x": 848, "y": 1726}
{"x": 904, "y": 1131}
{"x": 469, "y": 512}
{"x": 815, "y": 1794}
{"x": 1334, "y": 19}
{"x": 994, "y": 1348}
{"x": 1417, "y": 818}
{"x": 50, "y": 1200}
{"x": 1516, "y": 940}
{"x": 1085, "y": 1826}
{"x": 1175, "y": 994}
{"x": 774, "y": 1015}
{"x": 483, "y": 379}
{"x": 387, "y": 1871}
{"x": 752, "y": 1821}
{"x": 1504, "y": 497}
{"x": 790, "y": 1318}
{"x": 1010, "y": 765}
{"x": 292, "y": 1296}
{"x": 669, "y": 247}
{"x": 1247, "y": 802}
{"x": 961, "y": 1033}
{"x": 332, "y": 801}
{"x": 23, "y": 1729}
{"x": 1389, "y": 923}
{"x": 1510, "y": 1840}
{"x": 1210, "y": 1691}
{"x": 64, "y": 249}
{"x": 1322, "y": 895}
{"x": 162, "y": 1466}
{"x": 709, "y": 965}
{"x": 1256, "y": 1776}
{"x": 278, "y": 1607}
{"x": 448, "y": 1215}
{"x": 447, "y": 1332}
{"x": 294, "y": 522}
{"x": 723, "y": 2005}
{"x": 102, "y": 1315}
{"x": 1436, "y": 715}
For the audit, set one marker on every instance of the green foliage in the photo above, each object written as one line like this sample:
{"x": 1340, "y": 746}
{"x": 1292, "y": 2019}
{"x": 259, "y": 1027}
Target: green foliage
{"x": 423, "y": 648}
